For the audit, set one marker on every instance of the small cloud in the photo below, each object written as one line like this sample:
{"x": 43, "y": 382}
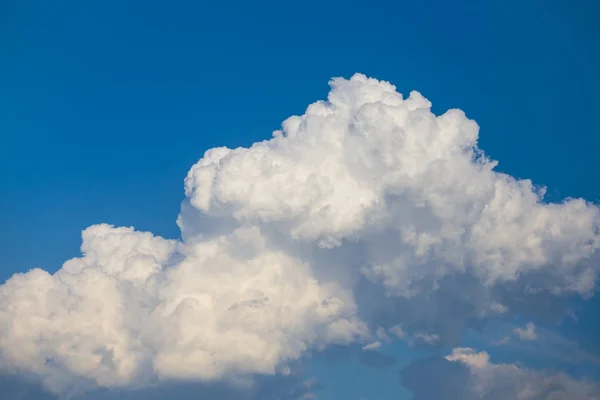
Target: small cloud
{"x": 468, "y": 374}
{"x": 306, "y": 390}
{"x": 526, "y": 334}
{"x": 285, "y": 370}
{"x": 372, "y": 346}
{"x": 571, "y": 314}
{"x": 398, "y": 331}
{"x": 551, "y": 345}
{"x": 510, "y": 381}
{"x": 470, "y": 357}
{"x": 502, "y": 341}
{"x": 309, "y": 383}
{"x": 452, "y": 380}
{"x": 428, "y": 338}
{"x": 499, "y": 308}
{"x": 382, "y": 335}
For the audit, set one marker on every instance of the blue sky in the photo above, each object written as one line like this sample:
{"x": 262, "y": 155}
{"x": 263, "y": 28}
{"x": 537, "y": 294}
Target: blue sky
{"x": 105, "y": 106}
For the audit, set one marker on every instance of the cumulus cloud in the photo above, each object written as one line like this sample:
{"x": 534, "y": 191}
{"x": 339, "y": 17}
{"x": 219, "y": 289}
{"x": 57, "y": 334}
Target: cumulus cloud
{"x": 366, "y": 211}
{"x": 508, "y": 381}
{"x": 121, "y": 314}
{"x": 468, "y": 375}
{"x": 397, "y": 331}
{"x": 527, "y": 333}
{"x": 438, "y": 379}
{"x": 544, "y": 345}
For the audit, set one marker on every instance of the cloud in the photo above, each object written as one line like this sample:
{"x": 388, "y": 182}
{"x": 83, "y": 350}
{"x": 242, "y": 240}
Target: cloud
{"x": 397, "y": 331}
{"x": 501, "y": 342}
{"x": 367, "y": 211}
{"x": 19, "y": 388}
{"x": 280, "y": 387}
{"x": 508, "y": 381}
{"x": 307, "y": 390}
{"x": 466, "y": 374}
{"x": 121, "y": 316}
{"x": 427, "y": 338}
{"x": 372, "y": 346}
{"x": 527, "y": 333}
{"x": 548, "y": 347}
{"x": 437, "y": 379}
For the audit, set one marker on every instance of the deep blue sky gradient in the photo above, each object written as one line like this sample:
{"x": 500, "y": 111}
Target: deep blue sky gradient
{"x": 105, "y": 105}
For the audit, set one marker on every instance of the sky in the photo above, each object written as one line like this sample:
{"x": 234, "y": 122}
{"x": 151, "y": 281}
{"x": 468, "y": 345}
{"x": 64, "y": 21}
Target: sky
{"x": 365, "y": 251}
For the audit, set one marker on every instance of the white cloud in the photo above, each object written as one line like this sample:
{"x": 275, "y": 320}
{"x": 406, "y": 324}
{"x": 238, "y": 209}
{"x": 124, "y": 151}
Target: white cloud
{"x": 231, "y": 306}
{"x": 397, "y": 331}
{"x": 275, "y": 238}
{"x": 541, "y": 344}
{"x": 372, "y": 346}
{"x": 509, "y": 381}
{"x": 427, "y": 338}
{"x": 504, "y": 340}
{"x": 368, "y": 160}
{"x": 527, "y": 333}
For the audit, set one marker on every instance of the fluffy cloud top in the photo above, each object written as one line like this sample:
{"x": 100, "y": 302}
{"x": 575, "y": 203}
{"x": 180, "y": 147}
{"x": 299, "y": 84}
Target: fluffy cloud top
{"x": 365, "y": 187}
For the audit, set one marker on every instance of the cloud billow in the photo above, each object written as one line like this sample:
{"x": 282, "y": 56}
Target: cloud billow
{"x": 367, "y": 192}
{"x": 467, "y": 374}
